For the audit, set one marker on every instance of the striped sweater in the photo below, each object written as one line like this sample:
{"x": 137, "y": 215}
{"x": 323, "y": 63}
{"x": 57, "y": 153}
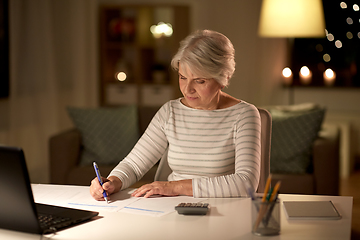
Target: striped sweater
{"x": 217, "y": 149}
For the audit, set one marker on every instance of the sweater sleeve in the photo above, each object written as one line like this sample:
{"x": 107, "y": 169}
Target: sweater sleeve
{"x": 146, "y": 152}
{"x": 247, "y": 161}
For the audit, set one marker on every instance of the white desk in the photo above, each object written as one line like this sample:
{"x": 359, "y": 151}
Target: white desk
{"x": 228, "y": 219}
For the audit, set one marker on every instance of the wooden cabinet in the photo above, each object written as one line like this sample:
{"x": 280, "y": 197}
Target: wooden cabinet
{"x": 135, "y": 65}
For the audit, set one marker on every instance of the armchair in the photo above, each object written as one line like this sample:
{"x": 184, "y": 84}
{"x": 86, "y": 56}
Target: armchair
{"x": 65, "y": 149}
{"x": 324, "y": 178}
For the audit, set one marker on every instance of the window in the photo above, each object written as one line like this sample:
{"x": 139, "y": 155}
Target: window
{"x": 338, "y": 51}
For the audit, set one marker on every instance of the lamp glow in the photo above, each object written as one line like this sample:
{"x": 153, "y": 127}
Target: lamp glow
{"x": 121, "y": 76}
{"x": 287, "y": 76}
{"x": 286, "y": 72}
{"x": 161, "y": 29}
{"x": 304, "y": 71}
{"x": 329, "y": 77}
{"x": 305, "y": 75}
{"x": 295, "y": 18}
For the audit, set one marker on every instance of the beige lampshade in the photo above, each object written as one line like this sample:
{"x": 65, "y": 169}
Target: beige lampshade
{"x": 292, "y": 19}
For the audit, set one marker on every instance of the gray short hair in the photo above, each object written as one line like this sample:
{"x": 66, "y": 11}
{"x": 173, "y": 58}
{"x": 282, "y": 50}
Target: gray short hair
{"x": 207, "y": 54}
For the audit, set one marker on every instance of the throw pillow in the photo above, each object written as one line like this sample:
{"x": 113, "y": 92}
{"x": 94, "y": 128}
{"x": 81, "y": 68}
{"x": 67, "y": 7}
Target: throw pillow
{"x": 108, "y": 134}
{"x": 293, "y": 134}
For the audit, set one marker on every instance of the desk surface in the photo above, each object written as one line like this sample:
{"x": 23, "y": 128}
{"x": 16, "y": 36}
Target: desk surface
{"x": 229, "y": 218}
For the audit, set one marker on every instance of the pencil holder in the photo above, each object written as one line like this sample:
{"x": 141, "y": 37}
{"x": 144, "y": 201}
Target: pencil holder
{"x": 265, "y": 217}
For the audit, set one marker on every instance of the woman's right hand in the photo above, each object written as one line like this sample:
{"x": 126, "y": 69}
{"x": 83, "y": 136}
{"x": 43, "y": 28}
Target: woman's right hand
{"x": 111, "y": 185}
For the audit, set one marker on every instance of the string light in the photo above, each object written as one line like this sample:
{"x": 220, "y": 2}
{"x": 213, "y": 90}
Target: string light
{"x": 338, "y": 44}
{"x": 319, "y": 47}
{"x": 326, "y": 57}
{"x": 341, "y": 38}
{"x": 330, "y": 37}
{"x": 349, "y": 21}
{"x": 349, "y": 35}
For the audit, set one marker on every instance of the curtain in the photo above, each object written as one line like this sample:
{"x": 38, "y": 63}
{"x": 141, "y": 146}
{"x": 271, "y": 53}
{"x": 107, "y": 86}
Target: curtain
{"x": 53, "y": 64}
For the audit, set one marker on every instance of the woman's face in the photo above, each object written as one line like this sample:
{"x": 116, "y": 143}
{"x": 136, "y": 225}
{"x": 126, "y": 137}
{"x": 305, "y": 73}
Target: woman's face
{"x": 198, "y": 92}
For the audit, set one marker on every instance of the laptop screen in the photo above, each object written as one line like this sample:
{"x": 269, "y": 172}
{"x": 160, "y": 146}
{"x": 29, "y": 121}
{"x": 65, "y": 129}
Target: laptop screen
{"x": 17, "y": 208}
{"x": 18, "y": 211}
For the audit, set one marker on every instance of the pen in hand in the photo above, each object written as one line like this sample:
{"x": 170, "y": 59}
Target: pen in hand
{"x": 97, "y": 171}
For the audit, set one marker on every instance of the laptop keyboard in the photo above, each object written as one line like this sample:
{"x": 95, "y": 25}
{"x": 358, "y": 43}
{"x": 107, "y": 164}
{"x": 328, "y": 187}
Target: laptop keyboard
{"x": 47, "y": 221}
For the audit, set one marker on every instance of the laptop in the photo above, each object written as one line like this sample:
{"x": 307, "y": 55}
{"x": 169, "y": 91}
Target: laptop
{"x": 18, "y": 211}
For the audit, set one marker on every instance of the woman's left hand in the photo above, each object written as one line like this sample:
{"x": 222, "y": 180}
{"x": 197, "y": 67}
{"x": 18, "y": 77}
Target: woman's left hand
{"x": 173, "y": 188}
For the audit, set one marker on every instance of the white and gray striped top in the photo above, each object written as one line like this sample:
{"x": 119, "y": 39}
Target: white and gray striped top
{"x": 217, "y": 149}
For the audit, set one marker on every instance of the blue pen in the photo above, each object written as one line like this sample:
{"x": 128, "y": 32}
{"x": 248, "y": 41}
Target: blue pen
{"x": 250, "y": 189}
{"x": 97, "y": 171}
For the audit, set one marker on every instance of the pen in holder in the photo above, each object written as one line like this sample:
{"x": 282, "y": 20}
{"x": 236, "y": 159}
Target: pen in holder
{"x": 266, "y": 212}
{"x": 266, "y": 217}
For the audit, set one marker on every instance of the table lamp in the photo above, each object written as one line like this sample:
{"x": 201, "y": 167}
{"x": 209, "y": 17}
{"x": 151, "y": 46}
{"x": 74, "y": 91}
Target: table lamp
{"x": 291, "y": 19}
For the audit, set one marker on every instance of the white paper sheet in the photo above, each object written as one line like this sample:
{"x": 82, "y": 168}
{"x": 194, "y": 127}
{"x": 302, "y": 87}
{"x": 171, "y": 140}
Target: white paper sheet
{"x": 79, "y": 197}
{"x": 158, "y": 206}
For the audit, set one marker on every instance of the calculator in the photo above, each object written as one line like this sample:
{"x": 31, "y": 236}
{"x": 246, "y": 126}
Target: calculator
{"x": 192, "y": 208}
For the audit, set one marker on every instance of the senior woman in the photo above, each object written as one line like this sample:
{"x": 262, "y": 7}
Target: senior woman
{"x": 213, "y": 139}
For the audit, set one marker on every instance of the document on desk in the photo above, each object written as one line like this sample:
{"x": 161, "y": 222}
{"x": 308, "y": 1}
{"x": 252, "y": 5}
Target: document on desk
{"x": 158, "y": 206}
{"x": 79, "y": 197}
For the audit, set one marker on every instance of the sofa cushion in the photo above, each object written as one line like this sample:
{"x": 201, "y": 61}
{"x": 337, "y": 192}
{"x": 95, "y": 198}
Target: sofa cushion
{"x": 107, "y": 134}
{"x": 293, "y": 134}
